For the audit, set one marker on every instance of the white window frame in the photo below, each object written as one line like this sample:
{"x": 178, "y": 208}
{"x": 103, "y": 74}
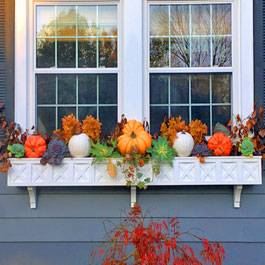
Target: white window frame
{"x": 133, "y": 95}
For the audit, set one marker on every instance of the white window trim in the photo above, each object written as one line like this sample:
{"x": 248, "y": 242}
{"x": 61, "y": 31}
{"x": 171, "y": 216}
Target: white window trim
{"x": 133, "y": 99}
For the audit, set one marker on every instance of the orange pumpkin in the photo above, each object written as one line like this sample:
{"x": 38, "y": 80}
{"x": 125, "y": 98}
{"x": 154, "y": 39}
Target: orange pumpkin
{"x": 134, "y": 136}
{"x": 35, "y": 145}
{"x": 220, "y": 144}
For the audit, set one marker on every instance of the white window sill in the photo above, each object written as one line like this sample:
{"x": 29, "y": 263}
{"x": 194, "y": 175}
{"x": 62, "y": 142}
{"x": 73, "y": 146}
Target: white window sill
{"x": 235, "y": 171}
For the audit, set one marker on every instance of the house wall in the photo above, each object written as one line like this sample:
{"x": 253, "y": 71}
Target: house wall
{"x": 67, "y": 224}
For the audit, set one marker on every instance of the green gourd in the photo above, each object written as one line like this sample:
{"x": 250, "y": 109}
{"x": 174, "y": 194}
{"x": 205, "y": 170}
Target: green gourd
{"x": 246, "y": 147}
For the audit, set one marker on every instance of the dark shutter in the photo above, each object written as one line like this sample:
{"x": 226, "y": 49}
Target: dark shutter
{"x": 259, "y": 52}
{"x": 2, "y": 53}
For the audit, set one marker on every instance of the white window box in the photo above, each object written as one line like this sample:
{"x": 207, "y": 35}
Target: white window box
{"x": 235, "y": 171}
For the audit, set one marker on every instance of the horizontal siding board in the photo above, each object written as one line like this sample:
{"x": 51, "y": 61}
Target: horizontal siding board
{"x": 79, "y": 253}
{"x": 115, "y": 205}
{"x": 92, "y": 229}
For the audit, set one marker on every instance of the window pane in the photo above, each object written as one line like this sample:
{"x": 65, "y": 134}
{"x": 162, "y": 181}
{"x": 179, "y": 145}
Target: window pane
{"x": 159, "y": 20}
{"x": 221, "y": 88}
{"x": 157, "y": 115}
{"x": 179, "y": 20}
{"x": 45, "y": 21}
{"x": 83, "y": 112}
{"x": 200, "y": 19}
{"x": 87, "y": 21}
{"x": 221, "y": 114}
{"x": 45, "y": 53}
{"x": 66, "y": 53}
{"x": 222, "y": 51}
{"x": 46, "y": 119}
{"x": 108, "y": 89}
{"x": 46, "y": 85}
{"x": 87, "y": 53}
{"x": 179, "y": 88}
{"x": 87, "y": 89}
{"x": 222, "y": 19}
{"x": 66, "y": 21}
{"x": 180, "y": 111}
{"x": 200, "y": 88}
{"x": 159, "y": 52}
{"x": 200, "y": 48}
{"x": 201, "y": 113}
{"x": 108, "y": 52}
{"x": 108, "y": 117}
{"x": 67, "y": 89}
{"x": 107, "y": 20}
{"x": 158, "y": 89}
{"x": 180, "y": 53}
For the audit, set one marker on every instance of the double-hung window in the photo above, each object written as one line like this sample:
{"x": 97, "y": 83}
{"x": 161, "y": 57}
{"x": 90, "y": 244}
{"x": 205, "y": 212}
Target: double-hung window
{"x": 145, "y": 59}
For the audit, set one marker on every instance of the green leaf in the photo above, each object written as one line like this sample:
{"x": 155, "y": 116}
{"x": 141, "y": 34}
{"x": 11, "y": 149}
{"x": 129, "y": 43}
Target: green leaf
{"x": 101, "y": 150}
{"x": 139, "y": 175}
{"x": 141, "y": 185}
{"x": 147, "y": 180}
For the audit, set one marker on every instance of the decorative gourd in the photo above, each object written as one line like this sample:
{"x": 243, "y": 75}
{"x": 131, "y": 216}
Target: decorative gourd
{"x": 246, "y": 147}
{"x": 134, "y": 136}
{"x": 220, "y": 144}
{"x": 183, "y": 144}
{"x": 79, "y": 145}
{"x": 35, "y": 145}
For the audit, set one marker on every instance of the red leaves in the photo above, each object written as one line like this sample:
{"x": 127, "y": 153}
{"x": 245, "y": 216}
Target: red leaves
{"x": 153, "y": 243}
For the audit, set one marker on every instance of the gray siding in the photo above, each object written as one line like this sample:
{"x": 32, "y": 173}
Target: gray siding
{"x": 67, "y": 224}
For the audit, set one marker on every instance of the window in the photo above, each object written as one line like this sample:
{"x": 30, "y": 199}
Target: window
{"x": 146, "y": 59}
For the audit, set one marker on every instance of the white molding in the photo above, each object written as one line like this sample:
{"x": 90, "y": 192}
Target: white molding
{"x": 186, "y": 171}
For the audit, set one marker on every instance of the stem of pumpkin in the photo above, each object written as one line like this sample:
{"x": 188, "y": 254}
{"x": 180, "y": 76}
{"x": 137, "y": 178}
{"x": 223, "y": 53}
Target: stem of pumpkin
{"x": 133, "y": 135}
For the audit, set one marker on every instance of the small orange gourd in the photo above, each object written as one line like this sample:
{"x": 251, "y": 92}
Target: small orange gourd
{"x": 35, "y": 145}
{"x": 220, "y": 144}
{"x": 134, "y": 136}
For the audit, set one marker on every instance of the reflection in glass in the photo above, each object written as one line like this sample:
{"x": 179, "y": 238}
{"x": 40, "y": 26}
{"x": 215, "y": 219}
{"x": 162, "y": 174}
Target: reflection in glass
{"x": 200, "y": 88}
{"x": 181, "y": 111}
{"x": 46, "y": 120}
{"x": 66, "y": 21}
{"x": 201, "y": 113}
{"x": 157, "y": 115}
{"x": 108, "y": 52}
{"x": 87, "y": 53}
{"x": 107, "y": 20}
{"x": 65, "y": 111}
{"x": 159, "y": 52}
{"x": 179, "y": 17}
{"x": 179, "y": 88}
{"x": 158, "y": 89}
{"x": 221, "y": 88}
{"x": 158, "y": 20}
{"x": 83, "y": 112}
{"x": 180, "y": 56}
{"x": 45, "y": 21}
{"x": 87, "y": 89}
{"x": 222, "y": 52}
{"x": 200, "y": 19}
{"x": 46, "y": 89}
{"x": 221, "y": 114}
{"x": 108, "y": 117}
{"x": 67, "y": 89}
{"x": 87, "y": 21}
{"x": 45, "y": 53}
{"x": 221, "y": 19}
{"x": 108, "y": 89}
{"x": 200, "y": 48}
{"x": 66, "y": 53}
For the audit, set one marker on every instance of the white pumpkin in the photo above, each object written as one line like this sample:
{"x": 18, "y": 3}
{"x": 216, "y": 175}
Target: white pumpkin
{"x": 79, "y": 145}
{"x": 183, "y": 144}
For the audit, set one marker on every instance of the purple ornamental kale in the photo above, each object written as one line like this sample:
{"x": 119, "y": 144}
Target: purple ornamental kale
{"x": 55, "y": 153}
{"x": 201, "y": 150}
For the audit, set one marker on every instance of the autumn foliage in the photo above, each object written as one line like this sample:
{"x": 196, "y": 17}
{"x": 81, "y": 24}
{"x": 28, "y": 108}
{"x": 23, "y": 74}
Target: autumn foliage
{"x": 71, "y": 126}
{"x": 174, "y": 125}
{"x": 136, "y": 242}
